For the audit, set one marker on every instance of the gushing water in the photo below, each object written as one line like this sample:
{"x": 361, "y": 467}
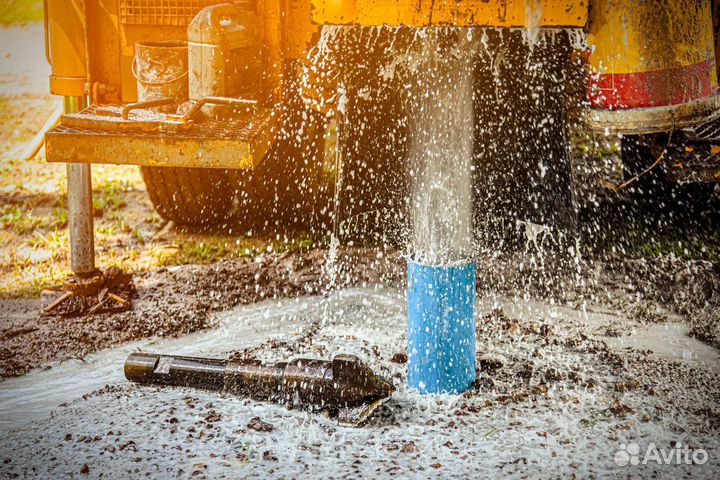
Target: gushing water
{"x": 440, "y": 152}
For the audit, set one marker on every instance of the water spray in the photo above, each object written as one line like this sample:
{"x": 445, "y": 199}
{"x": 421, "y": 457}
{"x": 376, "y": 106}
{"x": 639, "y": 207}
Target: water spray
{"x": 441, "y": 274}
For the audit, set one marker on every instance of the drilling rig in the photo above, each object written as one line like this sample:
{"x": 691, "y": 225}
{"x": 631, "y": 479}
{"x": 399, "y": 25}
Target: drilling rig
{"x": 220, "y": 103}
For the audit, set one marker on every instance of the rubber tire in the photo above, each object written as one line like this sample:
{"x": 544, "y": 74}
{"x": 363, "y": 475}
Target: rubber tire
{"x": 190, "y": 196}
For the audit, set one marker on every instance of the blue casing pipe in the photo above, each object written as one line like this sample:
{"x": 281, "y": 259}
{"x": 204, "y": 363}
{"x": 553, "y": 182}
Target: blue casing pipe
{"x": 441, "y": 327}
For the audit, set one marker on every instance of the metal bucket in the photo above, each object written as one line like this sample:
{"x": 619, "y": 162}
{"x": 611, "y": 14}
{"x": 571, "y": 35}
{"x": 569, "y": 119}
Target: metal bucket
{"x": 441, "y": 327}
{"x": 161, "y": 70}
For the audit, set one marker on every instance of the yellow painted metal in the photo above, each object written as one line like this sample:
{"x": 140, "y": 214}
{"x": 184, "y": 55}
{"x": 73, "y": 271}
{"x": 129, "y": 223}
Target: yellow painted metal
{"x": 65, "y": 43}
{"x": 716, "y": 27}
{"x": 298, "y": 30}
{"x": 630, "y": 36}
{"x": 496, "y": 13}
{"x": 288, "y": 30}
{"x": 271, "y": 14}
{"x": 652, "y": 65}
{"x": 227, "y": 144}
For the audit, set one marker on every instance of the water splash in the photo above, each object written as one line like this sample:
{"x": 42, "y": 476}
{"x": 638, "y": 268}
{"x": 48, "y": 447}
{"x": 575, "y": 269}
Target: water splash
{"x": 533, "y": 16}
{"x": 441, "y": 148}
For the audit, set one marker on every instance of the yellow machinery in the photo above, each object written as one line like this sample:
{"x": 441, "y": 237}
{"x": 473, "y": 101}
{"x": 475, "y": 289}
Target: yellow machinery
{"x": 659, "y": 61}
{"x": 651, "y": 69}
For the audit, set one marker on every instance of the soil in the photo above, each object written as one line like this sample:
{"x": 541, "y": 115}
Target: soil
{"x": 178, "y": 300}
{"x": 555, "y": 384}
{"x": 555, "y": 397}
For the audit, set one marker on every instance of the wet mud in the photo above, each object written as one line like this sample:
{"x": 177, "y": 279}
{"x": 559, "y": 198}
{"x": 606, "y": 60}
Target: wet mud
{"x": 178, "y": 300}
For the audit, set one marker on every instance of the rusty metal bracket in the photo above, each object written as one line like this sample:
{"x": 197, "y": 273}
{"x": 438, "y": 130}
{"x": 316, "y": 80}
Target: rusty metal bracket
{"x": 639, "y": 121}
{"x": 198, "y": 104}
{"x": 126, "y": 109}
{"x": 88, "y": 294}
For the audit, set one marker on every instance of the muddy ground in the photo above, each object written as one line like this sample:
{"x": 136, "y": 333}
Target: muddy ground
{"x": 561, "y": 393}
{"x": 647, "y": 268}
{"x": 175, "y": 301}
{"x": 178, "y": 300}
{"x": 638, "y": 259}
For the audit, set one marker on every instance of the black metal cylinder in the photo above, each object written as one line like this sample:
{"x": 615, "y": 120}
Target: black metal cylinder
{"x": 177, "y": 371}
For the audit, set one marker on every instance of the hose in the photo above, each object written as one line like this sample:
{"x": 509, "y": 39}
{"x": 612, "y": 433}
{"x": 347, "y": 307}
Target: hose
{"x": 38, "y": 140}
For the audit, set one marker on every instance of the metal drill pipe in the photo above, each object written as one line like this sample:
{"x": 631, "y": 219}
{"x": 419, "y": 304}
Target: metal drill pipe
{"x": 333, "y": 385}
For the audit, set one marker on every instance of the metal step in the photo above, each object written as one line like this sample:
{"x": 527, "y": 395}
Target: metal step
{"x": 99, "y": 134}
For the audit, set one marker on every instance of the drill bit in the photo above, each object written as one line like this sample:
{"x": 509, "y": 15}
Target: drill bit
{"x": 344, "y": 387}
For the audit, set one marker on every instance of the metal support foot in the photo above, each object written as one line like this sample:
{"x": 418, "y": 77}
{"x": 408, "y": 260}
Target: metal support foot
{"x": 80, "y": 211}
{"x": 88, "y": 290}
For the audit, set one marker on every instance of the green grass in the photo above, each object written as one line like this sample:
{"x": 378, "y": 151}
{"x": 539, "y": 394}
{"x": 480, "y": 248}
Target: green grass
{"x": 694, "y": 247}
{"x": 31, "y": 286}
{"x": 19, "y": 219}
{"x": 639, "y": 242}
{"x": 54, "y": 241}
{"x": 212, "y": 249}
{"x": 109, "y": 197}
{"x": 202, "y": 252}
{"x": 14, "y": 12}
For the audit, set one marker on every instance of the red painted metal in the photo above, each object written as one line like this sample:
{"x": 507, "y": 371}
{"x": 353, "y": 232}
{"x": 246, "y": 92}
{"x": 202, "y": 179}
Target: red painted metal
{"x": 672, "y": 86}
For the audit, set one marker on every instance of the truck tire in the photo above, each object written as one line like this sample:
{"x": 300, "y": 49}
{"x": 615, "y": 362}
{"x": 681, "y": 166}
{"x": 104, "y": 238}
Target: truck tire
{"x": 189, "y": 196}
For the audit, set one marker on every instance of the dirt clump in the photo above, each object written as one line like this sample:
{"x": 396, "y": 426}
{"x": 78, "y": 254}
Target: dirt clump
{"x": 175, "y": 301}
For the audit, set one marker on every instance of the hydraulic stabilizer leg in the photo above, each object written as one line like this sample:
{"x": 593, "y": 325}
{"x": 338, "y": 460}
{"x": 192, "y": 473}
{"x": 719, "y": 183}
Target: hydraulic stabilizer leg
{"x": 80, "y": 211}
{"x": 88, "y": 290}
